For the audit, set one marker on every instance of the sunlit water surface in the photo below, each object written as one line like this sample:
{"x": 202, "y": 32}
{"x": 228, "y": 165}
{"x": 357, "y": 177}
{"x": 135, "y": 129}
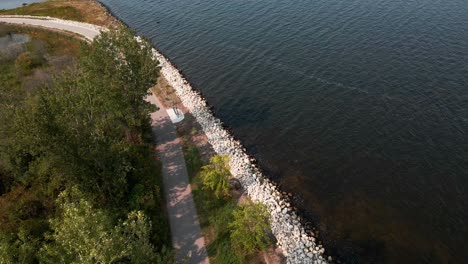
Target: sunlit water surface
{"x": 358, "y": 107}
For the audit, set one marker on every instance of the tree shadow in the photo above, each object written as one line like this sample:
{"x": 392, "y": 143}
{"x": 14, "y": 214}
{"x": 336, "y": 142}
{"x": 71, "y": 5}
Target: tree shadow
{"x": 185, "y": 227}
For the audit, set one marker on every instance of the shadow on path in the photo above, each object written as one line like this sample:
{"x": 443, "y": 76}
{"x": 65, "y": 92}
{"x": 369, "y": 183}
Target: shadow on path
{"x": 186, "y": 235}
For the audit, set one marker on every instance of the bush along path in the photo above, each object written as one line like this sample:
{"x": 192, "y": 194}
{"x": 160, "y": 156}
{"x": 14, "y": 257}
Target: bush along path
{"x": 186, "y": 235}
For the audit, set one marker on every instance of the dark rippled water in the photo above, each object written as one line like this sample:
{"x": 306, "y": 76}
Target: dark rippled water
{"x": 359, "y": 107}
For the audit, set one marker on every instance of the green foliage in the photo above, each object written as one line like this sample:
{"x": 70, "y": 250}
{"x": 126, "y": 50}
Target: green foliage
{"x": 216, "y": 212}
{"x": 21, "y": 246}
{"x": 134, "y": 233}
{"x": 221, "y": 248}
{"x": 91, "y": 121}
{"x": 6, "y": 180}
{"x": 18, "y": 248}
{"x": 215, "y": 176}
{"x": 16, "y": 87}
{"x": 22, "y": 208}
{"x": 87, "y": 131}
{"x": 249, "y": 228}
{"x": 221, "y": 251}
{"x": 215, "y": 215}
{"x": 126, "y": 68}
{"x": 28, "y": 61}
{"x": 83, "y": 234}
{"x": 39, "y": 9}
{"x": 192, "y": 158}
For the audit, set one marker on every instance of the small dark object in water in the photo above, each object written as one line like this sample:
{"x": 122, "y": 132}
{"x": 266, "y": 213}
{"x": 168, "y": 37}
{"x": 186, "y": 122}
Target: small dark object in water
{"x": 25, "y": 4}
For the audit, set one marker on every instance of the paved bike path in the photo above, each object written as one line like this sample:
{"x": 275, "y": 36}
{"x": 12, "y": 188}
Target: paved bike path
{"x": 185, "y": 227}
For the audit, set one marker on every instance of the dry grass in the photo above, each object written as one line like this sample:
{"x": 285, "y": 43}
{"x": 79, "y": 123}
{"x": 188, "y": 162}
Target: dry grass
{"x": 88, "y": 11}
{"x": 58, "y": 51}
{"x": 166, "y": 93}
{"x": 57, "y": 43}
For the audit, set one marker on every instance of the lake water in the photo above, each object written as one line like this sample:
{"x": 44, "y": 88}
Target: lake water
{"x": 358, "y": 107}
{"x": 7, "y": 4}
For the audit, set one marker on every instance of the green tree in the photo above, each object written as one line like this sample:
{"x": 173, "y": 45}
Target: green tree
{"x": 250, "y": 228}
{"x": 123, "y": 69}
{"x": 84, "y": 234}
{"x": 89, "y": 129}
{"x": 215, "y": 176}
{"x": 92, "y": 121}
{"x": 18, "y": 248}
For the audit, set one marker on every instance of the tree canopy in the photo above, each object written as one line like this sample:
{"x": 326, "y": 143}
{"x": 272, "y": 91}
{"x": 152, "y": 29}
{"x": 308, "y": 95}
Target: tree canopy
{"x": 215, "y": 175}
{"x": 83, "y": 234}
{"x": 250, "y": 228}
{"x": 79, "y": 183}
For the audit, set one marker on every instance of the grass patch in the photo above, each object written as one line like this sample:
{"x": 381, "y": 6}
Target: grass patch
{"x": 78, "y": 10}
{"x": 28, "y": 61}
{"x": 221, "y": 250}
{"x": 46, "y": 9}
{"x": 192, "y": 158}
{"x": 163, "y": 90}
{"x": 56, "y": 43}
{"x": 26, "y": 66}
{"x": 8, "y": 77}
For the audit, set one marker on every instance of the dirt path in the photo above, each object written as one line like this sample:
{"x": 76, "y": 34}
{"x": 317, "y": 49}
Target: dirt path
{"x": 187, "y": 239}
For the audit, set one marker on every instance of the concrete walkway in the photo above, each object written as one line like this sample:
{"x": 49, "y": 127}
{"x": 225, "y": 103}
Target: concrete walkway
{"x": 187, "y": 239}
{"x": 83, "y": 29}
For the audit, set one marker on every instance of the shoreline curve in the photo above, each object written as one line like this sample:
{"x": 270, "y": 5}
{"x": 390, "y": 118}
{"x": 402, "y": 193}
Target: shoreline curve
{"x": 299, "y": 245}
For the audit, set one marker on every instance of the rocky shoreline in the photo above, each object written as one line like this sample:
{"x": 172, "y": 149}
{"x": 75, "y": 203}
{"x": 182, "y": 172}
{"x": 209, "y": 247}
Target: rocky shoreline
{"x": 298, "y": 245}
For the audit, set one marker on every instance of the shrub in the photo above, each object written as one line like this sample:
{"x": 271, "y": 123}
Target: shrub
{"x": 215, "y": 176}
{"x": 192, "y": 158}
{"x": 84, "y": 234}
{"x": 27, "y": 61}
{"x": 250, "y": 228}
